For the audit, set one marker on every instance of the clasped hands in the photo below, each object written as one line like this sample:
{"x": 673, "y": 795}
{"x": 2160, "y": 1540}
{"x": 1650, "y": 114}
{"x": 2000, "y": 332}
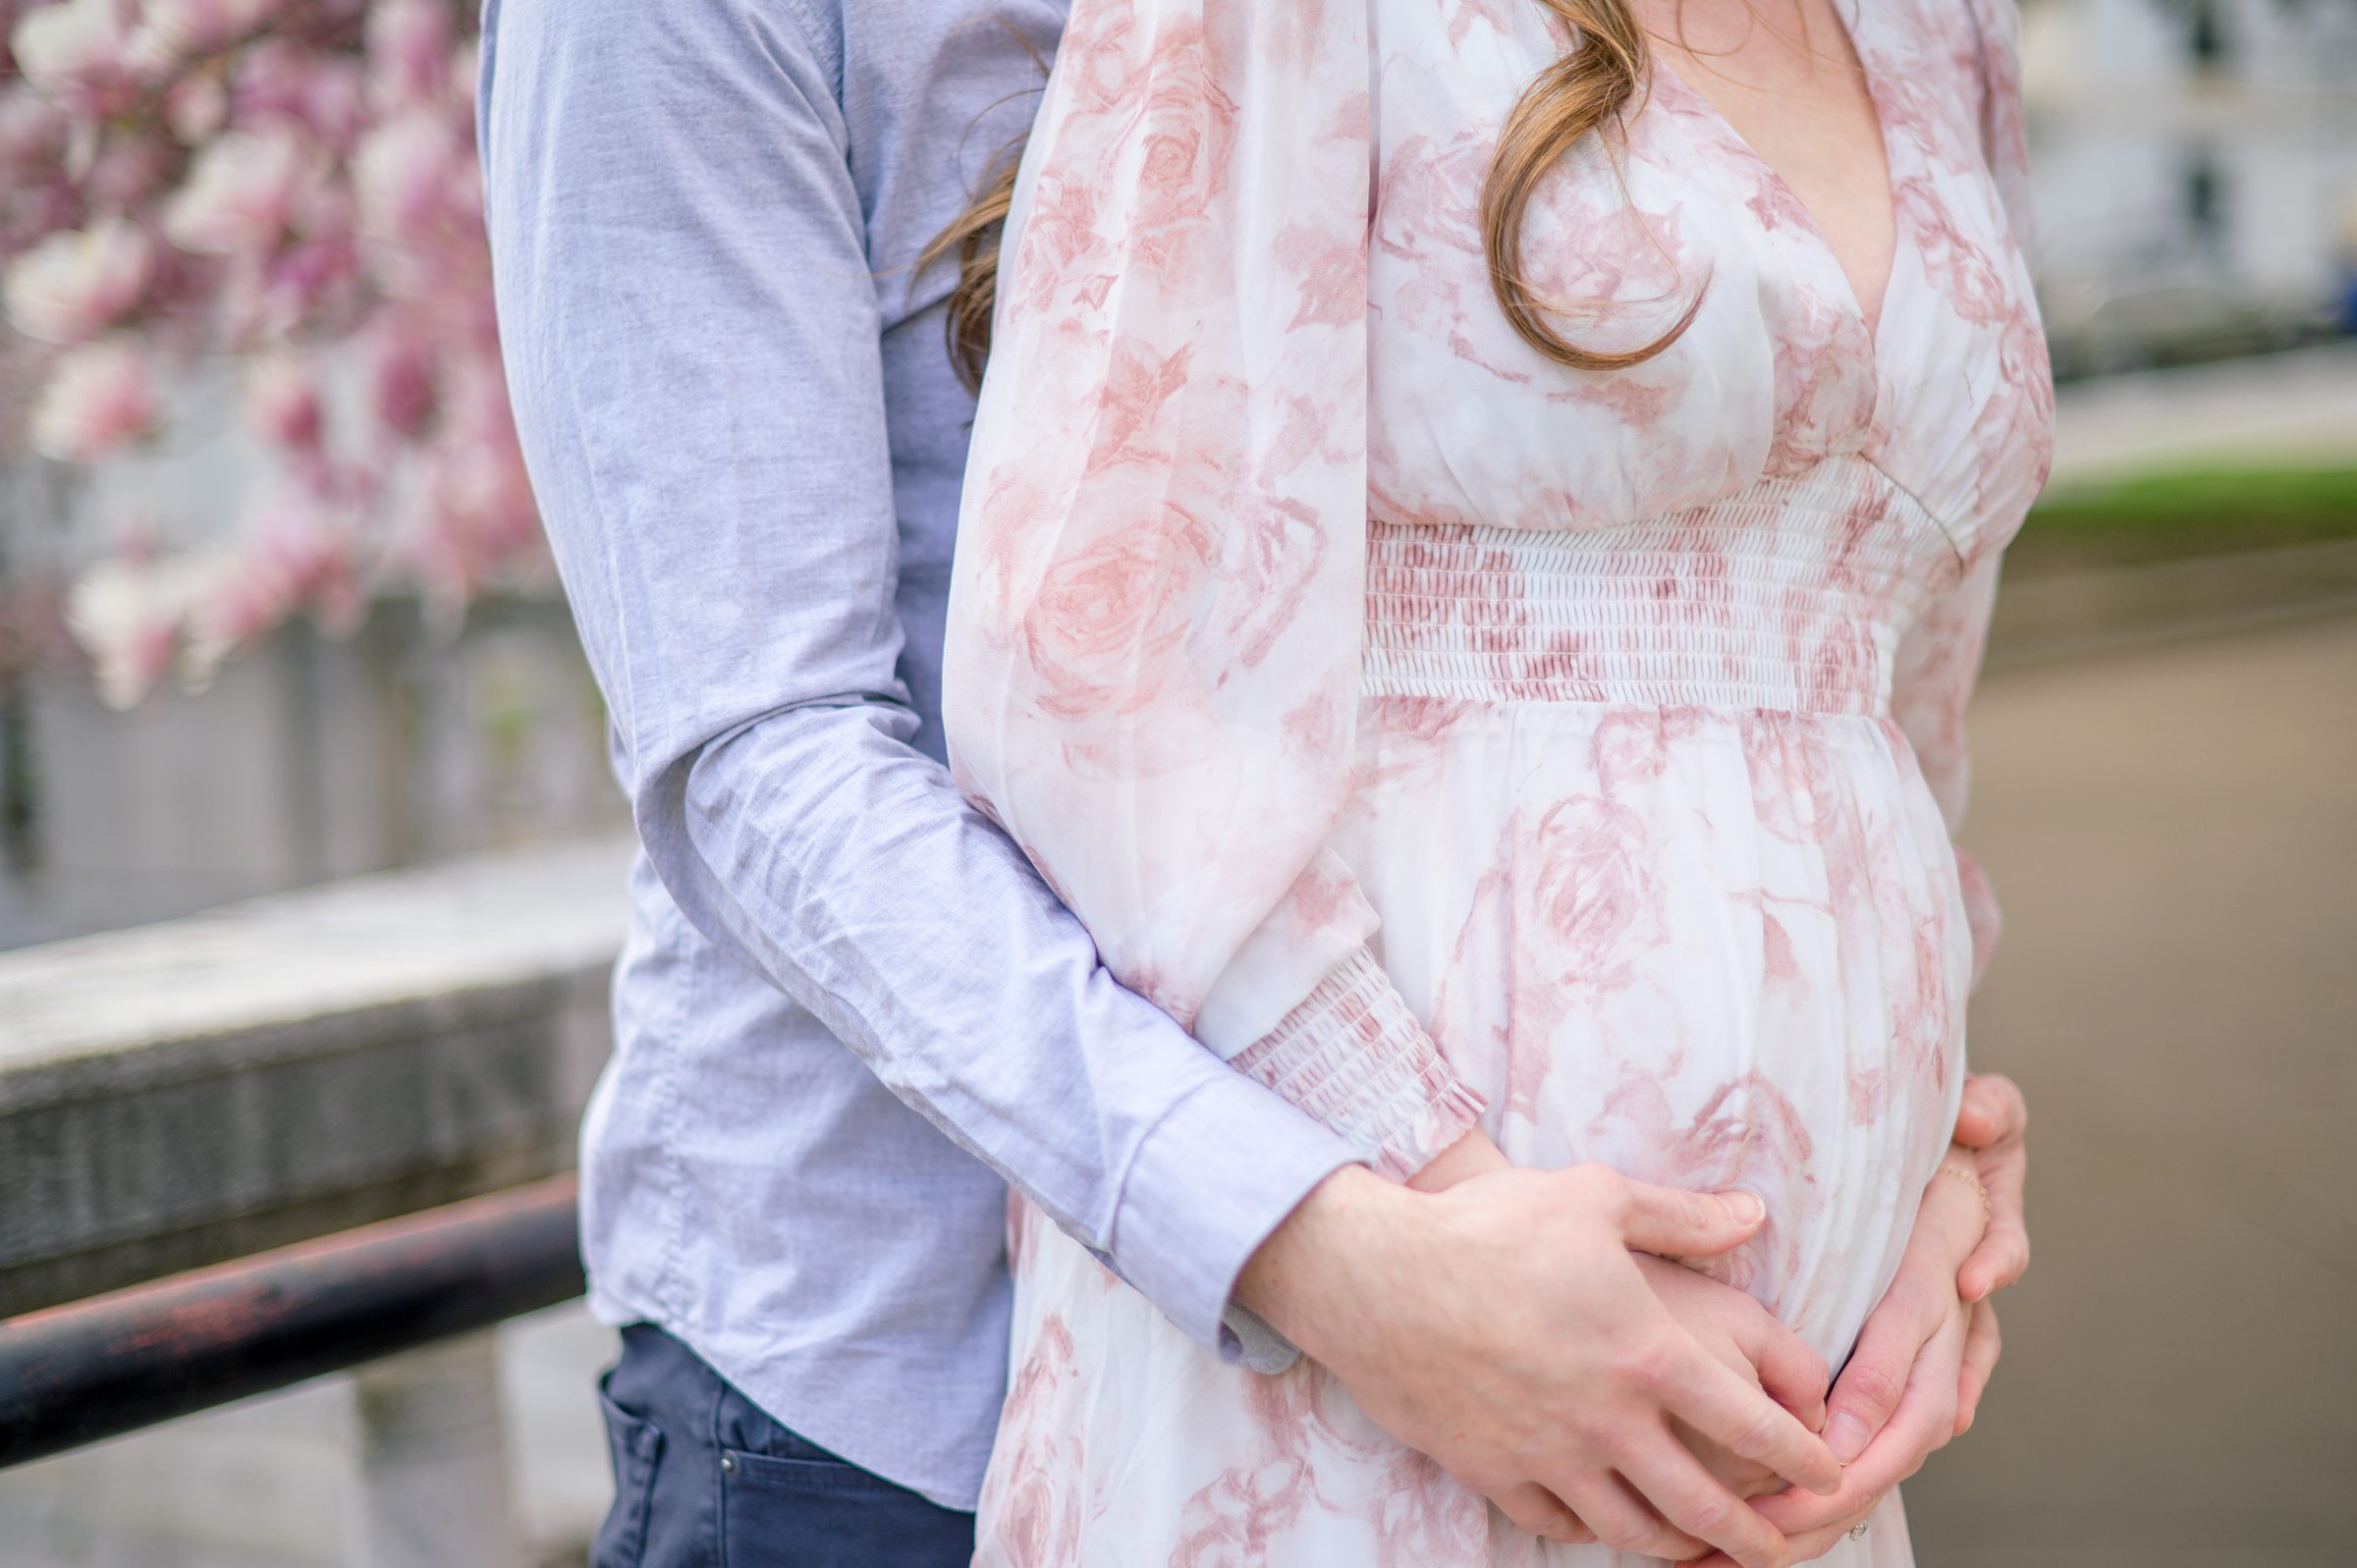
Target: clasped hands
{"x": 1529, "y": 1331}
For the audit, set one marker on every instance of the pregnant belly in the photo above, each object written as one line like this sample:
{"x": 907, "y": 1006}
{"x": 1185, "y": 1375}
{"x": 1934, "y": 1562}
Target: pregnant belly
{"x": 1711, "y": 949}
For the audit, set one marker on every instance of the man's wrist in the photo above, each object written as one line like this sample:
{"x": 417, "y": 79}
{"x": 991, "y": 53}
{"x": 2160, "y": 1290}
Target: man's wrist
{"x": 1314, "y": 1266}
{"x": 1206, "y": 1185}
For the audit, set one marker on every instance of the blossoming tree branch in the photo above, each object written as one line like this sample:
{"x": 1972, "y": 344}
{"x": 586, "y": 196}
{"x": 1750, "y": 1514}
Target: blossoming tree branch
{"x": 288, "y": 188}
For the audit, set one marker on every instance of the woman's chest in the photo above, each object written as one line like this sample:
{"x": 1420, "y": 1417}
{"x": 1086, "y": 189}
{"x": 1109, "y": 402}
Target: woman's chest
{"x": 1780, "y": 365}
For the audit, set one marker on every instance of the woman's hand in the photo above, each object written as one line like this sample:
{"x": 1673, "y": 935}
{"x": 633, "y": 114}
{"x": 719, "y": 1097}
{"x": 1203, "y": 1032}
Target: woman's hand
{"x": 1474, "y": 1155}
{"x": 1898, "y": 1400}
{"x": 1814, "y": 1525}
{"x": 1989, "y": 1148}
{"x": 1992, "y": 1124}
{"x": 1949, "y": 1228}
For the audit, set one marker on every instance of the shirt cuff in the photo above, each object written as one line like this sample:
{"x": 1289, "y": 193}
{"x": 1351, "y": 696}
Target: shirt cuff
{"x": 1209, "y": 1181}
{"x": 1354, "y": 1057}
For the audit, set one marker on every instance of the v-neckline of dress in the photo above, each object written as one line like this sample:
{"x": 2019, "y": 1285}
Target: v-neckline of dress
{"x": 1872, "y": 327}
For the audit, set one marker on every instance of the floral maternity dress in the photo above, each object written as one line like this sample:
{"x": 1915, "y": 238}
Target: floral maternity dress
{"x": 1446, "y": 736}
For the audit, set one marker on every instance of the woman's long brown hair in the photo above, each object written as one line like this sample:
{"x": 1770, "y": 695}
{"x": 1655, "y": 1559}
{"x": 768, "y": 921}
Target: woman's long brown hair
{"x": 1577, "y": 95}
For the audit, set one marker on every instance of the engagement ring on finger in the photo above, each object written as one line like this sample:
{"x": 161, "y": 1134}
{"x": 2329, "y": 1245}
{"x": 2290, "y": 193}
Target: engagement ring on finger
{"x": 1857, "y": 1532}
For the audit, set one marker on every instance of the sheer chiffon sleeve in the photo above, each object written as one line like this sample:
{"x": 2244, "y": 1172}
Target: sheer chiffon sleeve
{"x": 1152, "y": 664}
{"x": 1939, "y": 661}
{"x": 2003, "y": 117}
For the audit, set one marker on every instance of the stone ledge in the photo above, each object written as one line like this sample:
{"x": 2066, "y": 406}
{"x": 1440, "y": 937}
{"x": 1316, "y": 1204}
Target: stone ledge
{"x": 176, "y": 1094}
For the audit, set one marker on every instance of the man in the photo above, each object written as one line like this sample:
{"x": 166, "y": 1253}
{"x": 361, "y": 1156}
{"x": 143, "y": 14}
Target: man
{"x": 842, "y": 984}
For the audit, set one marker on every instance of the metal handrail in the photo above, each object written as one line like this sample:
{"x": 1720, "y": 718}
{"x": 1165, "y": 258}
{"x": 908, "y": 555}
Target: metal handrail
{"x": 82, "y": 1370}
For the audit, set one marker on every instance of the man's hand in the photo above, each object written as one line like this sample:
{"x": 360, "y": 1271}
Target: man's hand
{"x": 1749, "y": 1340}
{"x": 1504, "y": 1328}
{"x": 1740, "y": 1332}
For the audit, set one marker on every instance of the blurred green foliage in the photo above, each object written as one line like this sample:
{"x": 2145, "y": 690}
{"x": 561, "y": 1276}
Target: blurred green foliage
{"x": 2193, "y": 511}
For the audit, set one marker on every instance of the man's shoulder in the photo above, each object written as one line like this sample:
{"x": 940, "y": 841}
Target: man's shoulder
{"x": 915, "y": 33}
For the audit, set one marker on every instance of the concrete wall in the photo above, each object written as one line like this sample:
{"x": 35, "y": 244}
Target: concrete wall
{"x": 198, "y": 1089}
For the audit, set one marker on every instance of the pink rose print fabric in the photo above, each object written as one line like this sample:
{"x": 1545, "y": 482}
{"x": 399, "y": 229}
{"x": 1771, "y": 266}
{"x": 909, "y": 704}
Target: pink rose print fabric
{"x": 1449, "y": 736}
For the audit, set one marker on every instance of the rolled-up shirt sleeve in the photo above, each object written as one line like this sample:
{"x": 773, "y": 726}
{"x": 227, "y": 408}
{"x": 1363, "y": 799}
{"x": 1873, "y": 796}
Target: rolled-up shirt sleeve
{"x": 691, "y": 333}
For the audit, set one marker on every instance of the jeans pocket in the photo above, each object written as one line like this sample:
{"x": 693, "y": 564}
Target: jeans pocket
{"x": 636, "y": 1446}
{"x": 829, "y": 1513}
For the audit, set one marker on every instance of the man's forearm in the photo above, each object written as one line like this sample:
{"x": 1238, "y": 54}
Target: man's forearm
{"x": 693, "y": 332}
{"x": 845, "y": 866}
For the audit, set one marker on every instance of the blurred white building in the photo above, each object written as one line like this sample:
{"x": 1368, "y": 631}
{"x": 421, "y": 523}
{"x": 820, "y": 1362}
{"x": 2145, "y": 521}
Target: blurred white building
{"x": 2195, "y": 164}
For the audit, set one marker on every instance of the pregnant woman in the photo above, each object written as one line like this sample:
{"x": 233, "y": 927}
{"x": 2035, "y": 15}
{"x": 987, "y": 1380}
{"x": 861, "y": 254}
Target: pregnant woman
{"x": 1470, "y": 571}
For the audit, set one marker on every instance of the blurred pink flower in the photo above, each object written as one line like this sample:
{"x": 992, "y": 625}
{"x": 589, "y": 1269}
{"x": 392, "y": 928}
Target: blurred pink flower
{"x": 126, "y": 614}
{"x": 129, "y": 172}
{"x": 236, "y": 198}
{"x": 291, "y": 185}
{"x": 309, "y": 549}
{"x": 74, "y": 284}
{"x": 99, "y": 397}
{"x": 192, "y": 26}
{"x": 234, "y": 605}
{"x": 297, "y": 552}
{"x": 281, "y": 402}
{"x": 32, "y": 131}
{"x": 334, "y": 98}
{"x": 196, "y": 107}
{"x": 281, "y": 80}
{"x": 477, "y": 526}
{"x": 409, "y": 51}
{"x": 399, "y": 373}
{"x": 75, "y": 51}
{"x": 299, "y": 283}
{"x": 403, "y": 171}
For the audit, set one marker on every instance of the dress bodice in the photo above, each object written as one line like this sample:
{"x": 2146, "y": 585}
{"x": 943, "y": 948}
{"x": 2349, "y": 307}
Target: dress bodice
{"x": 1257, "y": 442}
{"x": 1948, "y": 395}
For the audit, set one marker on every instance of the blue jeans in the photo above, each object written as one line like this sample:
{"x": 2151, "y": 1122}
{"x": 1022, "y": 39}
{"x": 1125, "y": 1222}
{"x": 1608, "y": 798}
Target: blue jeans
{"x": 703, "y": 1479}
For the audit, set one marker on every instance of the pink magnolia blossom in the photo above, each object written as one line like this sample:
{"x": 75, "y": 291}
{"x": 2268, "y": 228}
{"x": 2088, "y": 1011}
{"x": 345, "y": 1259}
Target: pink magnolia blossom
{"x": 333, "y": 99}
{"x": 281, "y": 402}
{"x": 73, "y": 286}
{"x": 302, "y": 281}
{"x": 125, "y": 175}
{"x": 100, "y": 396}
{"x": 280, "y": 82}
{"x": 125, "y": 615}
{"x": 409, "y": 45}
{"x": 74, "y": 52}
{"x": 404, "y": 171}
{"x": 290, "y": 186}
{"x": 295, "y": 554}
{"x": 237, "y": 198}
{"x": 196, "y": 107}
{"x": 400, "y": 376}
{"x": 33, "y": 132}
{"x": 184, "y": 28}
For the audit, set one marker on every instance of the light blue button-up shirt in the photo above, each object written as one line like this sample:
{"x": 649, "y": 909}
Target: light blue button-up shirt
{"x": 842, "y": 984}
